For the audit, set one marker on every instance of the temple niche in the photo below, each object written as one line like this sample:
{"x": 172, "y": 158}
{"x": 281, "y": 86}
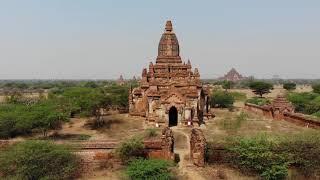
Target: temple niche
{"x": 170, "y": 91}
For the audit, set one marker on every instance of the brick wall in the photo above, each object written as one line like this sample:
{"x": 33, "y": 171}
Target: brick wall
{"x": 292, "y": 117}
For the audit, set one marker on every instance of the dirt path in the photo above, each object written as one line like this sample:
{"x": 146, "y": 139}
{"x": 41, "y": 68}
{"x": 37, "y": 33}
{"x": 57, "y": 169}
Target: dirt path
{"x": 182, "y": 147}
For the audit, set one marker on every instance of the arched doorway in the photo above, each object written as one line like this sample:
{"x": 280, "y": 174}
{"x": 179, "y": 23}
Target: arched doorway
{"x": 173, "y": 116}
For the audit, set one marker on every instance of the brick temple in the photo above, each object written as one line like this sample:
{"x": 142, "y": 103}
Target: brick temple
{"x": 170, "y": 91}
{"x": 233, "y": 76}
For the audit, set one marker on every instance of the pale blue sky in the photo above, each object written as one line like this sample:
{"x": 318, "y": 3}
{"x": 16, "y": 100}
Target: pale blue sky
{"x": 101, "y": 39}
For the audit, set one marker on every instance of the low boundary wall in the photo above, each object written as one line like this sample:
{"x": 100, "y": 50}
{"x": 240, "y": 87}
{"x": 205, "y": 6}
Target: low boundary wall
{"x": 296, "y": 118}
{"x": 98, "y": 153}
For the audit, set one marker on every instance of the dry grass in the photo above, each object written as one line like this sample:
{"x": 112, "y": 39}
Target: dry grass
{"x": 223, "y": 125}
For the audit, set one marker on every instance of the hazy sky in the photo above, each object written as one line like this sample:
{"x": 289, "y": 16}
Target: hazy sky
{"x": 101, "y": 39}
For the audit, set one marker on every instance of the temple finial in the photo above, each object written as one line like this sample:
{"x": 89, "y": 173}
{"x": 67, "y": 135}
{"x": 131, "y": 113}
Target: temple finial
{"x": 168, "y": 26}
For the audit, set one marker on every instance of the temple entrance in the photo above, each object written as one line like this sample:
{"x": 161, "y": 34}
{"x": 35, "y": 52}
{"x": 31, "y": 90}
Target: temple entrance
{"x": 173, "y": 116}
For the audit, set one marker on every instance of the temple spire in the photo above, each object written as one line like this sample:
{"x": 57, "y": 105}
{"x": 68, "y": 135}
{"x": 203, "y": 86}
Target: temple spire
{"x": 168, "y": 26}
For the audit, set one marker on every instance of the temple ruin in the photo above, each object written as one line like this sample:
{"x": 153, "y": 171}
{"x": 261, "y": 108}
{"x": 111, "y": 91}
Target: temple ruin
{"x": 170, "y": 91}
{"x": 233, "y": 75}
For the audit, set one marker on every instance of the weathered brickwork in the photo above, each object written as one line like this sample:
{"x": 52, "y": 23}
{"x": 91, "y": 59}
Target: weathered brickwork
{"x": 170, "y": 91}
{"x": 197, "y": 147}
{"x": 163, "y": 148}
{"x": 99, "y": 153}
{"x": 281, "y": 109}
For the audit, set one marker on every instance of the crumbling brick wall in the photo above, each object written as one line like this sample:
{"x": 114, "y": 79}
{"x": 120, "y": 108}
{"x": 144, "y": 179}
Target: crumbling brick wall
{"x": 161, "y": 148}
{"x": 101, "y": 153}
{"x": 197, "y": 147}
{"x": 292, "y": 117}
{"x": 262, "y": 110}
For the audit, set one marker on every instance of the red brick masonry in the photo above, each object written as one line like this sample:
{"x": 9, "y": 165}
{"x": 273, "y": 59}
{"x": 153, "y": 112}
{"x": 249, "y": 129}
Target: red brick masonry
{"x": 293, "y": 117}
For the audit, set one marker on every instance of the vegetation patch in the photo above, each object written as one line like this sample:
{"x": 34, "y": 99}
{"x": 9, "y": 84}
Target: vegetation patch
{"x": 232, "y": 125}
{"x": 152, "y": 169}
{"x": 258, "y": 101}
{"x": 272, "y": 156}
{"x": 238, "y": 96}
{"x": 151, "y": 132}
{"x": 131, "y": 149}
{"x": 17, "y": 119}
{"x": 307, "y": 102}
{"x": 260, "y": 87}
{"x": 221, "y": 99}
{"x": 38, "y": 160}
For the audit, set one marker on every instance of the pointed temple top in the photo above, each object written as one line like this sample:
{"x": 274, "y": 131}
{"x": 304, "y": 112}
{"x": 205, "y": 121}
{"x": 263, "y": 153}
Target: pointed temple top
{"x": 168, "y": 26}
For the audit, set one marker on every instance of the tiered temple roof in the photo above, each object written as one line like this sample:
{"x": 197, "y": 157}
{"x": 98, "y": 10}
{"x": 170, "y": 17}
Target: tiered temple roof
{"x": 233, "y": 75}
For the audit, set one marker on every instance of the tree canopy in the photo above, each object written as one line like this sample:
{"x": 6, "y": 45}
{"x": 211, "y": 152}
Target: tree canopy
{"x": 260, "y": 88}
{"x": 38, "y": 160}
{"x": 316, "y": 88}
{"x": 289, "y": 86}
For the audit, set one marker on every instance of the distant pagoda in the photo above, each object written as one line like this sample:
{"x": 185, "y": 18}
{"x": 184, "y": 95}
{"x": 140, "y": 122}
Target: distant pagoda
{"x": 233, "y": 75}
{"x": 121, "y": 81}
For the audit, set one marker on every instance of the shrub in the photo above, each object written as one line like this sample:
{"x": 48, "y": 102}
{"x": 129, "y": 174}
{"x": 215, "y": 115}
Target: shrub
{"x": 16, "y": 119}
{"x": 258, "y": 101}
{"x": 316, "y": 88}
{"x": 289, "y": 86}
{"x": 238, "y": 96}
{"x": 270, "y": 156}
{"x": 222, "y": 99}
{"x": 317, "y": 114}
{"x": 276, "y": 172}
{"x": 152, "y": 169}
{"x": 37, "y": 160}
{"x": 131, "y": 149}
{"x": 306, "y": 102}
{"x": 303, "y": 150}
{"x": 256, "y": 154}
{"x": 151, "y": 132}
{"x": 227, "y": 85}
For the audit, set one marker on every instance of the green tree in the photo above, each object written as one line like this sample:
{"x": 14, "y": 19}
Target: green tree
{"x": 227, "y": 85}
{"x": 38, "y": 160}
{"x": 221, "y": 99}
{"x": 289, "y": 86}
{"x": 260, "y": 88}
{"x": 316, "y": 88}
{"x": 91, "y": 84}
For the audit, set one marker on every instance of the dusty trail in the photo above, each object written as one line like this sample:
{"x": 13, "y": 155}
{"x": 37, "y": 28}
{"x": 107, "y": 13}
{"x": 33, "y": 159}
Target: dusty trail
{"x": 182, "y": 147}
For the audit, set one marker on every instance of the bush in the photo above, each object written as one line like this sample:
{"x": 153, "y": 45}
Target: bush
{"x": 256, "y": 154}
{"x": 307, "y": 103}
{"x": 289, "y": 86}
{"x": 17, "y": 119}
{"x": 303, "y": 150}
{"x": 317, "y": 114}
{"x": 227, "y": 85}
{"x": 151, "y": 132}
{"x": 316, "y": 88}
{"x": 149, "y": 169}
{"x": 276, "y": 172}
{"x": 271, "y": 156}
{"x": 238, "y": 96}
{"x": 38, "y": 160}
{"x": 221, "y": 99}
{"x": 258, "y": 101}
{"x": 131, "y": 149}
